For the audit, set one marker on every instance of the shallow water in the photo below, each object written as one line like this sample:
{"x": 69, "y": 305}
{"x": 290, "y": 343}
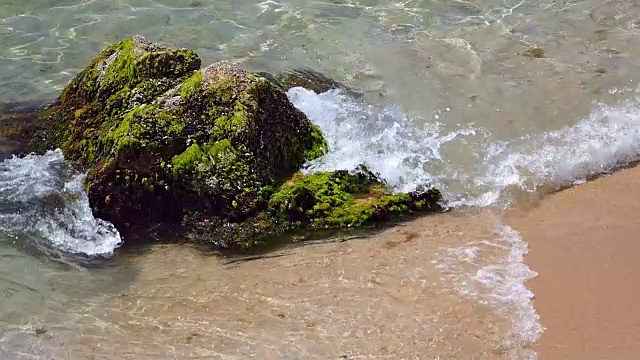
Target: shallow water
{"x": 379, "y": 297}
{"x": 451, "y": 98}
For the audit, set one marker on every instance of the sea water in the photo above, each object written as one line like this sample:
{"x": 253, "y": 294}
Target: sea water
{"x": 453, "y": 98}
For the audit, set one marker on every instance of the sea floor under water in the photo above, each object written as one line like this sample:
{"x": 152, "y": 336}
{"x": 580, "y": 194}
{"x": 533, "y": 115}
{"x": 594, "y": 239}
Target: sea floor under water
{"x": 397, "y": 294}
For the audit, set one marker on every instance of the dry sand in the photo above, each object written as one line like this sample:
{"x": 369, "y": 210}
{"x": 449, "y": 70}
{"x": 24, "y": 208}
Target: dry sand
{"x": 584, "y": 243}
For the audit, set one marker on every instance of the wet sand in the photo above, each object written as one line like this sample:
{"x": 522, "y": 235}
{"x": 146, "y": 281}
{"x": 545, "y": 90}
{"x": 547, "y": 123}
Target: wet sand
{"x": 584, "y": 243}
{"x": 381, "y": 297}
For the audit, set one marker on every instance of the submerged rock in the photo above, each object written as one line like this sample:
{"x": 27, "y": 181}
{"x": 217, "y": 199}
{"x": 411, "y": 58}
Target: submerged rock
{"x": 218, "y": 149}
{"x": 17, "y": 123}
{"x": 309, "y": 79}
{"x": 535, "y": 52}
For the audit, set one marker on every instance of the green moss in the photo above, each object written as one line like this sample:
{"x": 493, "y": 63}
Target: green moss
{"x": 123, "y": 76}
{"x": 133, "y": 64}
{"x": 125, "y": 135}
{"x": 220, "y": 149}
{"x": 343, "y": 199}
{"x": 88, "y": 150}
{"x": 318, "y": 201}
{"x": 188, "y": 161}
{"x": 122, "y": 130}
{"x": 353, "y": 215}
{"x": 123, "y": 71}
{"x": 318, "y": 144}
{"x": 230, "y": 126}
{"x": 192, "y": 85}
{"x": 224, "y": 89}
{"x": 172, "y": 125}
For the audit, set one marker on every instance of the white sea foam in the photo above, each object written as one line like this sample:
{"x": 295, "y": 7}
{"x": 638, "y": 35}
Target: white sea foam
{"x": 386, "y": 140}
{"x": 381, "y": 137}
{"x": 608, "y": 139}
{"x": 492, "y": 270}
{"x": 41, "y": 197}
{"x": 506, "y": 279}
{"x": 405, "y": 155}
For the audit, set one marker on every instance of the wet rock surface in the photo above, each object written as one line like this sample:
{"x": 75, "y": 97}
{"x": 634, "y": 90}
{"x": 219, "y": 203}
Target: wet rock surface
{"x": 215, "y": 149}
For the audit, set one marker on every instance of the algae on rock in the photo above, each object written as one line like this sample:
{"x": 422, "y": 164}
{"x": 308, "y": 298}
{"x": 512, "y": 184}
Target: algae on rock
{"x": 217, "y": 148}
{"x": 319, "y": 201}
{"x": 343, "y": 199}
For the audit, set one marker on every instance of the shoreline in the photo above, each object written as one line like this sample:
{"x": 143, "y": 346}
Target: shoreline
{"x": 582, "y": 245}
{"x": 379, "y": 297}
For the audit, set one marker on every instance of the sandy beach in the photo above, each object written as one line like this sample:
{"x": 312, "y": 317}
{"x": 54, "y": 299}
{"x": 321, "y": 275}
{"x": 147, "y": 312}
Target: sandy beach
{"x": 583, "y": 242}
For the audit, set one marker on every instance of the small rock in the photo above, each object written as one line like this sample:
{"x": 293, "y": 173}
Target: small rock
{"x": 536, "y": 53}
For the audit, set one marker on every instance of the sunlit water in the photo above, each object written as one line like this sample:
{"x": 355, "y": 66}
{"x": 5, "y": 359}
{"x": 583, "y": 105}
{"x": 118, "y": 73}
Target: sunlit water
{"x": 451, "y": 99}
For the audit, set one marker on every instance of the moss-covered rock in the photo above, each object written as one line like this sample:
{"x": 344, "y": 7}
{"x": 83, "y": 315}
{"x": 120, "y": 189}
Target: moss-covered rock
{"x": 216, "y": 148}
{"x": 323, "y": 200}
{"x": 124, "y": 75}
{"x": 343, "y": 199}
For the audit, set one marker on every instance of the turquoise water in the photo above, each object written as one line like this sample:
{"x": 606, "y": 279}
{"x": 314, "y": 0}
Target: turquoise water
{"x": 451, "y": 98}
{"x": 45, "y": 43}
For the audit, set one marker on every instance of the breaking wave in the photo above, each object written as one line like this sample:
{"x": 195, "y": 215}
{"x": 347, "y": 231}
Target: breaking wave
{"x": 406, "y": 155}
{"x": 43, "y": 204}
{"x": 473, "y": 170}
